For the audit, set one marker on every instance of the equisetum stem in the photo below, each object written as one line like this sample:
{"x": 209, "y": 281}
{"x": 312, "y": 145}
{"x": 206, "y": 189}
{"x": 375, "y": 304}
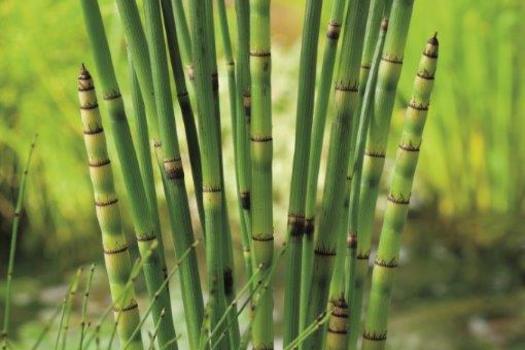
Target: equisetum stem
{"x": 116, "y": 254}
{"x": 121, "y": 136}
{"x": 173, "y": 180}
{"x": 319, "y": 120}
{"x": 355, "y": 183}
{"x": 211, "y": 163}
{"x": 183, "y": 99}
{"x": 387, "y": 259}
{"x": 83, "y": 323}
{"x": 303, "y": 130}
{"x": 388, "y": 77}
{"x": 183, "y": 33}
{"x": 346, "y": 102}
{"x": 261, "y": 160}
{"x": 14, "y": 240}
{"x": 65, "y": 311}
{"x": 243, "y": 106}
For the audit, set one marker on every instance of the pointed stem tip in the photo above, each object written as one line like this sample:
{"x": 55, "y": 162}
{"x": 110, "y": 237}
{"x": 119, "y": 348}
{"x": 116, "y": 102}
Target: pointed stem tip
{"x": 434, "y": 40}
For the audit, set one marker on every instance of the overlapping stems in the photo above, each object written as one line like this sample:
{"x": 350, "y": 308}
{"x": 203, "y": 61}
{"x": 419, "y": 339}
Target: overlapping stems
{"x": 303, "y": 129}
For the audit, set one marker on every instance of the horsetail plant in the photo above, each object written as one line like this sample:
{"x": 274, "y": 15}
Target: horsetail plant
{"x": 116, "y": 254}
{"x": 85, "y": 298}
{"x": 261, "y": 160}
{"x": 316, "y": 141}
{"x": 387, "y": 258}
{"x": 346, "y": 102}
{"x": 388, "y": 77}
{"x": 303, "y": 129}
{"x": 121, "y": 135}
{"x": 12, "y": 247}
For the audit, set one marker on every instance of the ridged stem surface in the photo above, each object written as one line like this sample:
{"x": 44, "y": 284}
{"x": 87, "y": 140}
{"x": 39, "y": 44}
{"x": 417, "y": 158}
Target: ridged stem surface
{"x": 261, "y": 161}
{"x": 346, "y": 102}
{"x": 316, "y": 141}
{"x": 303, "y": 129}
{"x": 116, "y": 254}
{"x": 388, "y": 78}
{"x": 387, "y": 258}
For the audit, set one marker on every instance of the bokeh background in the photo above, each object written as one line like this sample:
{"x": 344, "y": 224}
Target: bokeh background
{"x": 462, "y": 284}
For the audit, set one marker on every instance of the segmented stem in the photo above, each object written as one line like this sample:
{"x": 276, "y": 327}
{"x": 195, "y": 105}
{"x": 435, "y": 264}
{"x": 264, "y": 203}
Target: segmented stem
{"x": 116, "y": 254}
{"x": 387, "y": 259}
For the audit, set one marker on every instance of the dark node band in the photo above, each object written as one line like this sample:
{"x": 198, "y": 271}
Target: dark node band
{"x": 211, "y": 189}
{"x": 261, "y": 138}
{"x": 347, "y": 88}
{"x": 260, "y": 54}
{"x": 89, "y": 106}
{"x": 374, "y": 154}
{"x": 324, "y": 252}
{"x": 402, "y": 201}
{"x": 112, "y": 95}
{"x": 366, "y": 66}
{"x": 102, "y": 163}
{"x": 146, "y": 238}
{"x": 418, "y": 106}
{"x": 116, "y": 250}
{"x": 88, "y": 87}
{"x": 228, "y": 281}
{"x": 130, "y": 307}
{"x": 424, "y": 76}
{"x": 387, "y": 264}
{"x": 309, "y": 226}
{"x": 94, "y": 131}
{"x": 365, "y": 256}
{"x": 351, "y": 240}
{"x": 296, "y": 224}
{"x": 432, "y": 55}
{"x": 263, "y": 238}
{"x": 105, "y": 204}
{"x": 245, "y": 200}
{"x": 409, "y": 148}
{"x": 393, "y": 60}
{"x": 337, "y": 331}
{"x": 333, "y": 31}
{"x": 374, "y": 336}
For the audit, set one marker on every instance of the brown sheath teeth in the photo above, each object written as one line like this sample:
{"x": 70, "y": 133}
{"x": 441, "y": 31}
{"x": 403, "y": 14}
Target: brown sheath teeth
{"x": 263, "y": 239}
{"x": 93, "y": 132}
{"x": 387, "y": 264}
{"x": 395, "y": 200}
{"x": 374, "y": 336}
{"x": 409, "y": 148}
{"x": 260, "y": 54}
{"x": 89, "y": 106}
{"x": 393, "y": 60}
{"x": 105, "y": 204}
{"x": 127, "y": 308}
{"x": 115, "y": 251}
{"x": 375, "y": 155}
{"x": 323, "y": 252}
{"x": 146, "y": 238}
{"x": 261, "y": 138}
{"x": 99, "y": 164}
{"x": 211, "y": 189}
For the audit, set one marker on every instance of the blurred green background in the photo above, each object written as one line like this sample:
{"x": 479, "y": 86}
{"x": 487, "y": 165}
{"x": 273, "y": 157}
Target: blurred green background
{"x": 463, "y": 276}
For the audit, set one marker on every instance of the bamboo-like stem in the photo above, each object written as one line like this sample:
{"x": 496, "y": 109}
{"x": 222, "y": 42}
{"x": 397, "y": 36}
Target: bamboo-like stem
{"x": 87, "y": 290}
{"x": 303, "y": 130}
{"x": 14, "y": 240}
{"x": 316, "y": 142}
{"x": 355, "y": 173}
{"x": 183, "y": 99}
{"x": 388, "y": 77}
{"x": 347, "y": 100}
{"x": 173, "y": 178}
{"x": 211, "y": 163}
{"x": 387, "y": 259}
{"x": 116, "y": 254}
{"x": 261, "y": 160}
{"x": 243, "y": 106}
{"x": 121, "y": 136}
{"x": 183, "y": 33}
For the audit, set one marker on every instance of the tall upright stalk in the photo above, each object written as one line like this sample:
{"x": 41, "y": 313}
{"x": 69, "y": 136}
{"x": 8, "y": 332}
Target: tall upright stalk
{"x": 347, "y": 100}
{"x": 211, "y": 163}
{"x": 116, "y": 254}
{"x": 140, "y": 210}
{"x": 183, "y": 33}
{"x": 173, "y": 175}
{"x": 183, "y": 99}
{"x": 389, "y": 73}
{"x": 243, "y": 106}
{"x": 355, "y": 175}
{"x": 387, "y": 259}
{"x": 303, "y": 129}
{"x": 261, "y": 160}
{"x": 14, "y": 240}
{"x": 316, "y": 142}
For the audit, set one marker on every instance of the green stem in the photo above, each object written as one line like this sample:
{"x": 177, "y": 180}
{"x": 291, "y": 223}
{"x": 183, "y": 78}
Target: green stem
{"x": 65, "y": 311}
{"x": 173, "y": 179}
{"x": 261, "y": 159}
{"x": 387, "y": 259}
{"x": 303, "y": 130}
{"x": 389, "y": 72}
{"x": 14, "y": 241}
{"x": 316, "y": 142}
{"x": 355, "y": 173}
{"x": 121, "y": 136}
{"x": 183, "y": 99}
{"x": 116, "y": 254}
{"x": 83, "y": 323}
{"x": 346, "y": 101}
{"x": 211, "y": 162}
